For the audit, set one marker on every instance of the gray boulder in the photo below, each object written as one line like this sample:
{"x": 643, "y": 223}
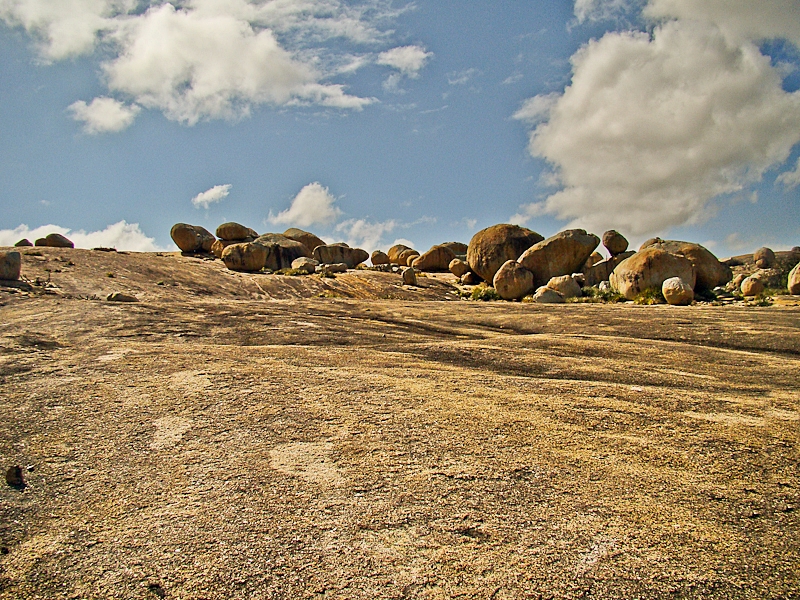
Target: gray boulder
{"x": 677, "y": 292}
{"x": 565, "y": 285}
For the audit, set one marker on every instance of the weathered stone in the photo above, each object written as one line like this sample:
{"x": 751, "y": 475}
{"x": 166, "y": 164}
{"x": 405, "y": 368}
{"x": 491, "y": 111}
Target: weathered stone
{"x": 24, "y": 242}
{"x": 246, "y": 256}
{"x": 329, "y": 269}
{"x": 335, "y": 253}
{"x": 648, "y": 269}
{"x": 764, "y": 258}
{"x": 677, "y": 292}
{"x": 308, "y": 239}
{"x": 395, "y": 251}
{"x": 601, "y": 271}
{"x": 594, "y": 258}
{"x": 10, "y": 265}
{"x": 709, "y": 271}
{"x": 794, "y": 280}
{"x": 458, "y": 248}
{"x": 752, "y": 286}
{"x": 490, "y": 248}
{"x": 436, "y": 259}
{"x": 512, "y": 281}
{"x": 54, "y": 240}
{"x": 562, "y": 254}
{"x": 406, "y": 257}
{"x": 458, "y": 267}
{"x": 309, "y": 265}
{"x": 120, "y": 297}
{"x": 565, "y": 285}
{"x": 380, "y": 258}
{"x": 232, "y": 231}
{"x": 614, "y": 242}
{"x": 409, "y": 276}
{"x": 546, "y": 295}
{"x": 281, "y": 251}
{"x": 192, "y": 238}
{"x": 470, "y": 278}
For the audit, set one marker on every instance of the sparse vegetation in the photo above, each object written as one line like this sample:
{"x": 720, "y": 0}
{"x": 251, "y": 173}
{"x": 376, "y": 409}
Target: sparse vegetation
{"x": 592, "y": 294}
{"x": 484, "y": 293}
{"x": 292, "y": 272}
{"x": 650, "y": 296}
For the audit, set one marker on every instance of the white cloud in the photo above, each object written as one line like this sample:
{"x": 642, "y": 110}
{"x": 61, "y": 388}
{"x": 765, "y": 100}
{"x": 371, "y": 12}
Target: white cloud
{"x": 408, "y": 60}
{"x": 654, "y": 126}
{"x": 462, "y": 77}
{"x": 791, "y": 179}
{"x": 121, "y": 235}
{"x": 404, "y": 242}
{"x": 209, "y": 59}
{"x": 537, "y": 109}
{"x": 603, "y": 10}
{"x": 211, "y": 196}
{"x": 361, "y": 233}
{"x": 104, "y": 115}
{"x": 313, "y": 205}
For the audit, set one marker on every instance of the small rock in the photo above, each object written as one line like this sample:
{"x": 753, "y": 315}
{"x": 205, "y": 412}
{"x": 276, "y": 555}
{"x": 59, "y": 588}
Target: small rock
{"x": 458, "y": 267}
{"x": 120, "y": 297}
{"x": 545, "y": 295}
{"x": 752, "y": 286}
{"x": 565, "y": 285}
{"x": 470, "y": 279}
{"x": 409, "y": 276}
{"x": 677, "y": 292}
{"x": 305, "y": 264}
{"x": 14, "y": 477}
{"x": 330, "y": 268}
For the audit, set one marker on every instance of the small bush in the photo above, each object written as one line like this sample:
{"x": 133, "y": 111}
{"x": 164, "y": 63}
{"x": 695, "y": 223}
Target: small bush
{"x": 761, "y": 300}
{"x": 291, "y": 272}
{"x": 484, "y": 293}
{"x": 650, "y": 296}
{"x": 592, "y": 294}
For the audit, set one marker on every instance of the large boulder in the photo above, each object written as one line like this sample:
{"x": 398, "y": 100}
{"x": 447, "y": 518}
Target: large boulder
{"x": 594, "y": 258}
{"x": 601, "y": 271}
{"x": 247, "y": 256}
{"x": 395, "y": 251}
{"x": 458, "y": 248}
{"x": 490, "y": 248}
{"x": 764, "y": 258}
{"x": 436, "y": 259}
{"x": 54, "y": 240}
{"x": 677, "y": 292}
{"x": 309, "y": 265}
{"x": 649, "y": 269}
{"x": 794, "y": 281}
{"x": 752, "y": 286}
{"x": 24, "y": 242}
{"x": 335, "y": 253}
{"x": 614, "y": 242}
{"x": 710, "y": 272}
{"x": 512, "y": 281}
{"x": 281, "y": 251}
{"x": 309, "y": 240}
{"x": 563, "y": 254}
{"x": 191, "y": 238}
{"x": 379, "y": 257}
{"x": 406, "y": 257}
{"x": 10, "y": 265}
{"x": 235, "y": 231}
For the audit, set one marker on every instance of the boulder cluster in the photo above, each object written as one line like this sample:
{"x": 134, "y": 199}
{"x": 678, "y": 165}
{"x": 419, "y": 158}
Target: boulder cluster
{"x": 51, "y": 240}
{"x": 515, "y": 261}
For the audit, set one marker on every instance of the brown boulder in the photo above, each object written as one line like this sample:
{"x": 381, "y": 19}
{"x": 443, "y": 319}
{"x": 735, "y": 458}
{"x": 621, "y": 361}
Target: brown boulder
{"x": 458, "y": 267}
{"x": 281, "y": 251}
{"x": 794, "y": 280}
{"x": 490, "y": 248}
{"x": 409, "y": 275}
{"x": 614, "y": 242}
{"x": 470, "y": 278}
{"x": 562, "y": 254}
{"x": 602, "y": 270}
{"x": 677, "y": 292}
{"x": 247, "y": 256}
{"x": 336, "y": 253}
{"x": 234, "y": 231}
{"x": 380, "y": 258}
{"x": 309, "y": 240}
{"x": 458, "y": 248}
{"x": 406, "y": 257}
{"x": 752, "y": 286}
{"x": 565, "y": 285}
{"x": 191, "y": 238}
{"x": 512, "y": 281}
{"x": 594, "y": 258}
{"x": 649, "y": 269}
{"x": 10, "y": 265}
{"x": 710, "y": 272}
{"x": 546, "y": 295}
{"x": 395, "y": 251}
{"x": 764, "y": 258}
{"x": 436, "y": 259}
{"x": 24, "y": 242}
{"x": 55, "y": 240}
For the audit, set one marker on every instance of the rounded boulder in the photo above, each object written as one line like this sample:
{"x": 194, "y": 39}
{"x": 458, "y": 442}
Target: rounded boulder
{"x": 335, "y": 253}
{"x": 10, "y": 265}
{"x": 764, "y": 258}
{"x": 247, "y": 256}
{"x": 438, "y": 258}
{"x": 379, "y": 257}
{"x": 562, "y": 254}
{"x": 308, "y": 239}
{"x": 490, "y": 248}
{"x": 513, "y": 281}
{"x": 794, "y": 280}
{"x": 752, "y": 286}
{"x": 565, "y": 285}
{"x": 614, "y": 242}
{"x": 458, "y": 267}
{"x": 648, "y": 269}
{"x": 709, "y": 271}
{"x": 677, "y": 292}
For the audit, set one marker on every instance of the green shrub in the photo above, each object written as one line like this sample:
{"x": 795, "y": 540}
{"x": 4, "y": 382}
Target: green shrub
{"x": 592, "y": 294}
{"x": 292, "y": 272}
{"x": 650, "y": 296}
{"x": 484, "y": 293}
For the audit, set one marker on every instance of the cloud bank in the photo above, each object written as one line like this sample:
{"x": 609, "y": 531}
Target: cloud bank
{"x": 654, "y": 126}
{"x": 196, "y": 60}
{"x": 120, "y": 235}
{"x": 211, "y": 196}
{"x": 313, "y": 205}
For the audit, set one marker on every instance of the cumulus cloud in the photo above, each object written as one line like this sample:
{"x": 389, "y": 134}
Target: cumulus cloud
{"x": 120, "y": 235}
{"x": 365, "y": 234}
{"x": 603, "y": 10}
{"x": 791, "y": 179}
{"x": 210, "y": 59}
{"x": 654, "y": 126}
{"x": 313, "y": 205}
{"x": 408, "y": 60}
{"x": 104, "y": 115}
{"x": 211, "y": 196}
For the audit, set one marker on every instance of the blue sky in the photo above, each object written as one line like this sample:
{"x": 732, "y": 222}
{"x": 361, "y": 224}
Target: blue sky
{"x": 376, "y": 121}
